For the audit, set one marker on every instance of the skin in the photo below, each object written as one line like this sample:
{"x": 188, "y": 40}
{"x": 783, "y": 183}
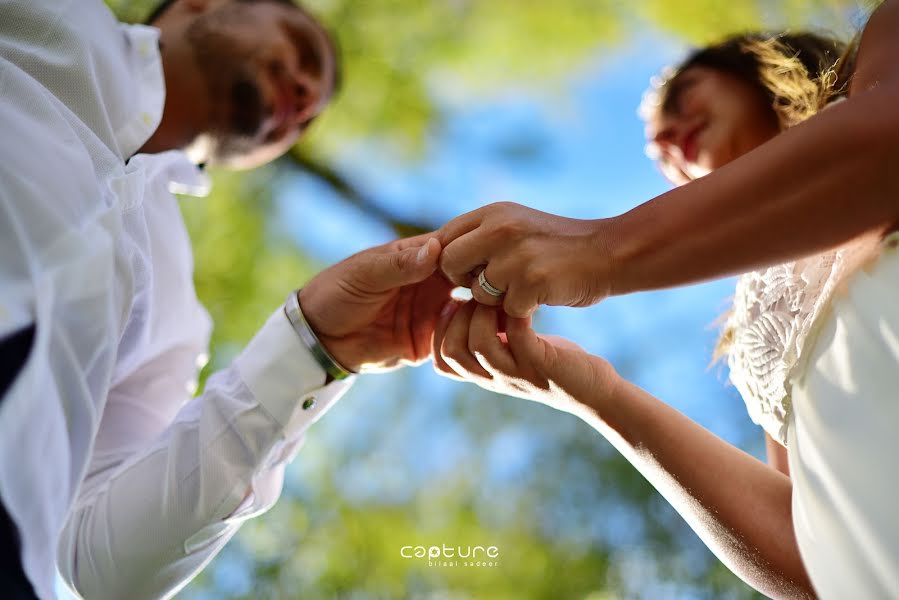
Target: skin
{"x": 377, "y": 310}
{"x": 737, "y": 505}
{"x": 737, "y": 218}
{"x": 712, "y": 118}
{"x": 243, "y": 80}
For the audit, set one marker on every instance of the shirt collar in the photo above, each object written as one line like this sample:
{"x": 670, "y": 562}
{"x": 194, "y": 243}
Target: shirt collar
{"x": 142, "y": 45}
{"x": 173, "y": 169}
{"x": 185, "y": 177}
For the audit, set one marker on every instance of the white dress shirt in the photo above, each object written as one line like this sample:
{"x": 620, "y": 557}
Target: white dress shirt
{"x": 107, "y": 463}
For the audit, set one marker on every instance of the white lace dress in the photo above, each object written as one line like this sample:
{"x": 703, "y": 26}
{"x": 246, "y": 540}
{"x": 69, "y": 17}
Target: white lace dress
{"x": 773, "y": 312}
{"x": 816, "y": 357}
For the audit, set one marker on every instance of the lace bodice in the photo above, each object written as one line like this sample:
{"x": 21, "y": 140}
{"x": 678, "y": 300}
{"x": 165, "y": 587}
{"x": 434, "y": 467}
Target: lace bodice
{"x": 773, "y": 313}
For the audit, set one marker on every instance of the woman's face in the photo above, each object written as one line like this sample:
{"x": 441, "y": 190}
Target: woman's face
{"x": 708, "y": 119}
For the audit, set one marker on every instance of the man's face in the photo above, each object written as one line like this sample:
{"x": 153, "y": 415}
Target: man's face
{"x": 268, "y": 69}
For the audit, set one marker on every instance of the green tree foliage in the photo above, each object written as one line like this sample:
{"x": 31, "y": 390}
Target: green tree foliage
{"x": 244, "y": 264}
{"x": 578, "y": 522}
{"x": 405, "y": 60}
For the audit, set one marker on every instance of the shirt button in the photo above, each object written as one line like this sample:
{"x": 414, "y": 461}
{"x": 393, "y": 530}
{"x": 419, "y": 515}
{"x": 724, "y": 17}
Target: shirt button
{"x": 148, "y": 119}
{"x": 308, "y": 403}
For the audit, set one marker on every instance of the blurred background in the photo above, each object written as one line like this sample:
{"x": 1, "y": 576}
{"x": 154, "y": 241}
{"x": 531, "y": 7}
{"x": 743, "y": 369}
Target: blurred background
{"x": 448, "y": 105}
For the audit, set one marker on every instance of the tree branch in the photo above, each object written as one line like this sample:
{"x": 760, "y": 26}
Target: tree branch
{"x": 348, "y": 191}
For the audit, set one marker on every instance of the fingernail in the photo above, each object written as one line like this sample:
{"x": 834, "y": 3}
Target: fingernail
{"x": 423, "y": 252}
{"x": 447, "y": 309}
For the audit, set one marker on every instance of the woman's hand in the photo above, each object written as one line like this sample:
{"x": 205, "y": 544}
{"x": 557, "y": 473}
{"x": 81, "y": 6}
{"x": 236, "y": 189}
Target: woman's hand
{"x": 534, "y": 257}
{"x": 480, "y": 344}
{"x": 740, "y": 507}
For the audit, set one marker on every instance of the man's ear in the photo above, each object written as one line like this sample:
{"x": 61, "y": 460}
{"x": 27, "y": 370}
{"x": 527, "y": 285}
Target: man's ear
{"x": 182, "y": 11}
{"x": 200, "y": 6}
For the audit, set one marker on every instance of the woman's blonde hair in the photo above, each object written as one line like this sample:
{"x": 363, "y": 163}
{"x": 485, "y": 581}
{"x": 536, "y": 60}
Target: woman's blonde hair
{"x": 798, "y": 73}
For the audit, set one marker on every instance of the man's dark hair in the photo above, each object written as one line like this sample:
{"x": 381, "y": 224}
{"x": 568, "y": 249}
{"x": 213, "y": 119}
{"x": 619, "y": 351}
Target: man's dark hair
{"x": 332, "y": 40}
{"x": 165, "y": 4}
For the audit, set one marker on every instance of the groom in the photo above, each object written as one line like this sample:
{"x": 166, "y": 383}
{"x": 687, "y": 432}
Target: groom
{"x": 109, "y": 468}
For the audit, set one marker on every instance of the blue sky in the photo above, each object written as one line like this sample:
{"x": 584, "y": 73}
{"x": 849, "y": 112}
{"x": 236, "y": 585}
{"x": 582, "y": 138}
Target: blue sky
{"x": 577, "y": 152}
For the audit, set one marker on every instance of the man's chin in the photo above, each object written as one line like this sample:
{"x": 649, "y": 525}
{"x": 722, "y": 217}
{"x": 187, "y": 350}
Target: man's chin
{"x": 235, "y": 154}
{"x": 250, "y": 159}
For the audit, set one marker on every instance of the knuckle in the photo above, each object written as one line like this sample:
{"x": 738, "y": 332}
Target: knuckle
{"x": 449, "y": 265}
{"x": 399, "y": 260}
{"x": 511, "y": 229}
{"x": 537, "y": 276}
{"x": 450, "y": 349}
{"x": 531, "y": 251}
{"x": 505, "y": 206}
{"x": 517, "y": 306}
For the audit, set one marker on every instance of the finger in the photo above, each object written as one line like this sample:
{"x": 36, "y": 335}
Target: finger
{"x": 415, "y": 241}
{"x": 520, "y": 301}
{"x": 442, "y": 324}
{"x": 454, "y": 348}
{"x": 485, "y": 344}
{"x": 524, "y": 344}
{"x": 465, "y": 254}
{"x": 380, "y": 272}
{"x": 460, "y": 226}
{"x": 479, "y": 293}
{"x": 428, "y": 298}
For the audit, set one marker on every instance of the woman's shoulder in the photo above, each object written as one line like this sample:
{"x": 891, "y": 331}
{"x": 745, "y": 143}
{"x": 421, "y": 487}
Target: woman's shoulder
{"x": 771, "y": 313}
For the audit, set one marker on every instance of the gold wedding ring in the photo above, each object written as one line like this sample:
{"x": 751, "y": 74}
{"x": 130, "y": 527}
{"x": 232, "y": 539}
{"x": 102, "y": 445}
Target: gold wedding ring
{"x": 488, "y": 289}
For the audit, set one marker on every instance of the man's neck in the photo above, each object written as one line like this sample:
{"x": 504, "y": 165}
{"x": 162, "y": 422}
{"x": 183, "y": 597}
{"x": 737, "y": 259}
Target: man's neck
{"x": 185, "y": 113}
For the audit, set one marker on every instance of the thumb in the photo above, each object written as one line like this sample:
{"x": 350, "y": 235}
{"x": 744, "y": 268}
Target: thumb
{"x": 382, "y": 272}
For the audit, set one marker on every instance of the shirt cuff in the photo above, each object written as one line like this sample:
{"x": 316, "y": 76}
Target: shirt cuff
{"x": 284, "y": 377}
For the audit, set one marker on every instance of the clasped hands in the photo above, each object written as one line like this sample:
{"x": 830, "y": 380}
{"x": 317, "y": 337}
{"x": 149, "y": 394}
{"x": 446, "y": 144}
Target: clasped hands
{"x": 392, "y": 305}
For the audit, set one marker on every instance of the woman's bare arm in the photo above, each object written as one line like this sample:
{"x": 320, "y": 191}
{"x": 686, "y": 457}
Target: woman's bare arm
{"x": 740, "y": 507}
{"x": 814, "y": 187}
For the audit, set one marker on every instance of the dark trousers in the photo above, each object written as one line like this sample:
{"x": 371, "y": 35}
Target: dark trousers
{"x": 14, "y": 585}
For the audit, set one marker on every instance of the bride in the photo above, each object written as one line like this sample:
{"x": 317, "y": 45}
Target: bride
{"x": 813, "y": 339}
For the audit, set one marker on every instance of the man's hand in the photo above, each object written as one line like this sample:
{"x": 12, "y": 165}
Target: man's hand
{"x": 534, "y": 257}
{"x": 480, "y": 344}
{"x": 377, "y": 309}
